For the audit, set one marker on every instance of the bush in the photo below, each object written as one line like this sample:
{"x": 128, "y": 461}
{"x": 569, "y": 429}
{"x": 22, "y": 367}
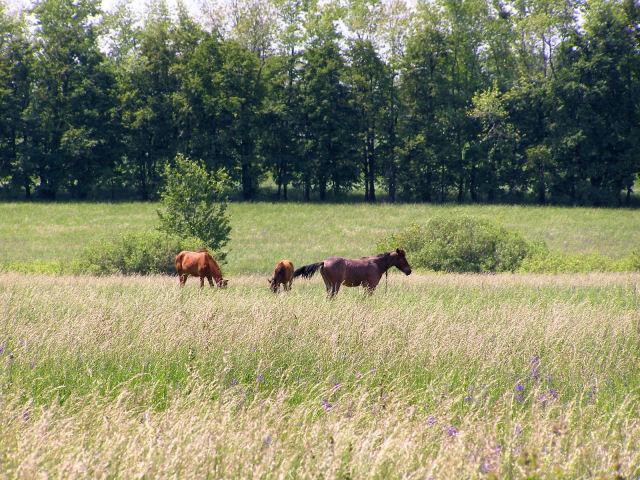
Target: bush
{"x": 461, "y": 244}
{"x": 134, "y": 253}
{"x": 194, "y": 203}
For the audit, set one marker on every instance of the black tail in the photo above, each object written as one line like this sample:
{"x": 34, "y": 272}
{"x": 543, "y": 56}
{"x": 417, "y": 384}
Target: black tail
{"x": 307, "y": 271}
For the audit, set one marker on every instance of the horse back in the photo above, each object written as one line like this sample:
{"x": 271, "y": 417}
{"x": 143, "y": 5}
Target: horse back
{"x": 283, "y": 271}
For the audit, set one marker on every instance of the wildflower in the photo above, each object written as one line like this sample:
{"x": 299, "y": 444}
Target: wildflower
{"x": 485, "y": 467}
{"x": 260, "y": 378}
{"x": 25, "y": 415}
{"x": 554, "y": 393}
{"x": 266, "y": 441}
{"x": 431, "y": 420}
{"x": 326, "y": 405}
{"x": 452, "y": 431}
{"x": 1, "y": 349}
{"x": 234, "y": 382}
{"x": 534, "y": 367}
{"x": 518, "y": 430}
{"x": 519, "y": 387}
{"x": 468, "y": 398}
{"x": 519, "y": 398}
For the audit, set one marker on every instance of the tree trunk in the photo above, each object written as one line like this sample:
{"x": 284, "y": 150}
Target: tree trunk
{"x": 307, "y": 190}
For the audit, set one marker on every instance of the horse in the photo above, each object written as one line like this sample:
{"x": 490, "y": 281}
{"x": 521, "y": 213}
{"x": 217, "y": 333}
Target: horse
{"x": 282, "y": 275}
{"x": 199, "y": 264}
{"x": 365, "y": 271}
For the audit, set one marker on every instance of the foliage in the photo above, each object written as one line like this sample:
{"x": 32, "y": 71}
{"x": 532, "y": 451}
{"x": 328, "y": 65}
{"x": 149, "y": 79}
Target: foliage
{"x": 194, "y": 204}
{"x": 477, "y": 101}
{"x": 134, "y": 253}
{"x": 460, "y": 244}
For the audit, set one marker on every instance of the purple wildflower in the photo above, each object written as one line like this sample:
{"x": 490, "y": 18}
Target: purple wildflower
{"x": 1, "y": 349}
{"x": 25, "y": 415}
{"x": 485, "y": 467}
{"x": 554, "y": 393}
{"x": 497, "y": 450}
{"x": 260, "y": 378}
{"x": 518, "y": 430}
{"x": 326, "y": 405}
{"x": 452, "y": 431}
{"x": 266, "y": 441}
{"x": 431, "y": 420}
{"x": 468, "y": 398}
{"x": 519, "y": 398}
{"x": 234, "y": 382}
{"x": 519, "y": 387}
{"x": 534, "y": 367}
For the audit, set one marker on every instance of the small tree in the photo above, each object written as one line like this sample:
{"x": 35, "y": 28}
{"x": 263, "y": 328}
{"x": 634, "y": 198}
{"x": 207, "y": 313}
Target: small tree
{"x": 194, "y": 204}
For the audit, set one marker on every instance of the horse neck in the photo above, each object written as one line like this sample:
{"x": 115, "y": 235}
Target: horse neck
{"x": 385, "y": 262}
{"x": 215, "y": 270}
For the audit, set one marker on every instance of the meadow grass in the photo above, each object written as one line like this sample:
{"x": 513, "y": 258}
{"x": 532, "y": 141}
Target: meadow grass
{"x": 443, "y": 376}
{"x": 38, "y": 236}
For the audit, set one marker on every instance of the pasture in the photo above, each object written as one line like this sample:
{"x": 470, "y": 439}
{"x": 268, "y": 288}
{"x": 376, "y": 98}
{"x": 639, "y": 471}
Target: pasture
{"x": 35, "y": 236}
{"x": 436, "y": 376}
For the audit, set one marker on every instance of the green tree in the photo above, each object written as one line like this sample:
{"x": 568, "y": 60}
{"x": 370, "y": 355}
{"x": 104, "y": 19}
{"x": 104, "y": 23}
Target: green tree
{"x": 194, "y": 204}
{"x": 72, "y": 110}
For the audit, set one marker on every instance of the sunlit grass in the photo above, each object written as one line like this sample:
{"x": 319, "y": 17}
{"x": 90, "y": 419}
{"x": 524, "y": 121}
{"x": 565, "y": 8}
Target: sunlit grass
{"x": 444, "y": 375}
{"x": 33, "y": 236}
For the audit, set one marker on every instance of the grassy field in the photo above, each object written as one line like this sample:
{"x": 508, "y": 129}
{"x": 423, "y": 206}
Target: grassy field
{"x": 441, "y": 376}
{"x": 265, "y": 232}
{"x": 437, "y": 376}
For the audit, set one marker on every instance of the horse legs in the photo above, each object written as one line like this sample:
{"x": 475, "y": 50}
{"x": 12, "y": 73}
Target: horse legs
{"x": 201, "y": 282}
{"x": 288, "y": 285}
{"x": 210, "y": 281}
{"x": 370, "y": 285}
{"x": 182, "y": 279}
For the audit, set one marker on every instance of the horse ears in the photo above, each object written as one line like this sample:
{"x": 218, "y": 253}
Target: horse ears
{"x": 398, "y": 251}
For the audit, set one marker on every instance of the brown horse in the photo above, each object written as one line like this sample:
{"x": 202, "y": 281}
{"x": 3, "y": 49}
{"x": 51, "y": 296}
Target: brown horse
{"x": 282, "y": 275}
{"x": 365, "y": 271}
{"x": 199, "y": 264}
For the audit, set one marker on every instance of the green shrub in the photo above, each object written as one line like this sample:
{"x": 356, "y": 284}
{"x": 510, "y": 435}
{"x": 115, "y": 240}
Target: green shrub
{"x": 461, "y": 244}
{"x": 194, "y": 203}
{"x": 134, "y": 253}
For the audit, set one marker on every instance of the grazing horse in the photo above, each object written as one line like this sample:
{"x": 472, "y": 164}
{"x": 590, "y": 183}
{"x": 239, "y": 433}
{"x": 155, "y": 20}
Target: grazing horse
{"x": 365, "y": 271}
{"x": 199, "y": 264}
{"x": 282, "y": 275}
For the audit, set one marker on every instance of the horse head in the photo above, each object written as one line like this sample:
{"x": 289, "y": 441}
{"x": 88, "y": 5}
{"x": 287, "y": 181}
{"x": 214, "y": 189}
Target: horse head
{"x": 401, "y": 262}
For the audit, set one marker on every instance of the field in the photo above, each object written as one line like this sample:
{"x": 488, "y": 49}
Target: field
{"x": 436, "y": 376}
{"x": 32, "y": 234}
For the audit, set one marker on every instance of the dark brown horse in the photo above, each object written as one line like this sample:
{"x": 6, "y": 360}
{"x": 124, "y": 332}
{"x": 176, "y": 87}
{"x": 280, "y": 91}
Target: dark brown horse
{"x": 199, "y": 264}
{"x": 365, "y": 271}
{"x": 282, "y": 275}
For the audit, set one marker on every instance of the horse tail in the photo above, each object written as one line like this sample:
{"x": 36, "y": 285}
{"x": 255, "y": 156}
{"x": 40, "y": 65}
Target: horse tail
{"x": 307, "y": 271}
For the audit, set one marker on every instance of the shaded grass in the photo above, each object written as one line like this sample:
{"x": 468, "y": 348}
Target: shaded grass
{"x": 38, "y": 237}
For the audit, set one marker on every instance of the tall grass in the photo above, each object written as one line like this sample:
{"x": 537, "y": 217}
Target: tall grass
{"x": 440, "y": 375}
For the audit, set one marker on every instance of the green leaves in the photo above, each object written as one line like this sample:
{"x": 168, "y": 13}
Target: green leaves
{"x": 194, "y": 204}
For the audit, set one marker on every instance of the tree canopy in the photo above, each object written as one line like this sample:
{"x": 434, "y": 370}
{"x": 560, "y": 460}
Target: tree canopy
{"x": 447, "y": 100}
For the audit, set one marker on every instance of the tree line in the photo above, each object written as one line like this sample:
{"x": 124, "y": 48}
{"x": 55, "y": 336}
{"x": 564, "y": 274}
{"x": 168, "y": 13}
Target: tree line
{"x": 446, "y": 100}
